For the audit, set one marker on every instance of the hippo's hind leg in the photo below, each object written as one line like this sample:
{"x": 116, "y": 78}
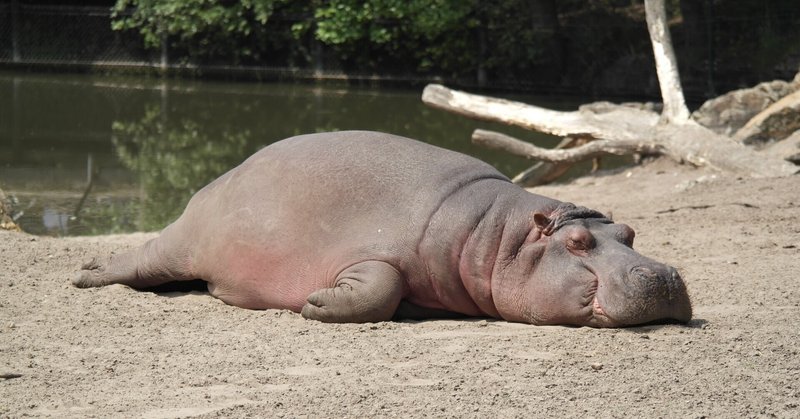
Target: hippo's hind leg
{"x": 160, "y": 260}
{"x": 365, "y": 292}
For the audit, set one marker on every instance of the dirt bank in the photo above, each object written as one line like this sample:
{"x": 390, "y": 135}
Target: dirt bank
{"x": 116, "y": 352}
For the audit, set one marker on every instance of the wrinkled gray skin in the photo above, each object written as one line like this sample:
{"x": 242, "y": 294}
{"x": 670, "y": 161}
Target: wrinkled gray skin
{"x": 362, "y": 226}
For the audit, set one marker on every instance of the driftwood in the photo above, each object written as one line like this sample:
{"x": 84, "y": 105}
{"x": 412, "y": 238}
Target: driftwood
{"x": 576, "y": 154}
{"x": 545, "y": 172}
{"x": 616, "y": 129}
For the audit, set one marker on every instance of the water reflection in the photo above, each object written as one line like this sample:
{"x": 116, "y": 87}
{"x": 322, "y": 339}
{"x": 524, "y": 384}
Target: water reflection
{"x": 156, "y": 142}
{"x": 55, "y": 221}
{"x": 174, "y": 158}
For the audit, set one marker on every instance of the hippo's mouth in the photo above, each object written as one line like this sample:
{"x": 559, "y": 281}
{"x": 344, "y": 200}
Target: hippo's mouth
{"x": 599, "y": 315}
{"x": 597, "y": 309}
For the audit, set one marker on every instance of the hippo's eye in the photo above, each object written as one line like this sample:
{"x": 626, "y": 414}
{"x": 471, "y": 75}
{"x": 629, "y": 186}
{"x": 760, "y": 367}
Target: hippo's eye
{"x": 580, "y": 240}
{"x": 573, "y": 244}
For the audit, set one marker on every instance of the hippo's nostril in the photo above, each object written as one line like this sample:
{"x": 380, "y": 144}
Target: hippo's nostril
{"x": 654, "y": 282}
{"x": 643, "y": 273}
{"x": 675, "y": 284}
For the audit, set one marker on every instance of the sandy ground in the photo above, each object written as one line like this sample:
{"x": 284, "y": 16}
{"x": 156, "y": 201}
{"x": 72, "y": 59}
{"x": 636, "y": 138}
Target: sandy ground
{"x": 117, "y": 352}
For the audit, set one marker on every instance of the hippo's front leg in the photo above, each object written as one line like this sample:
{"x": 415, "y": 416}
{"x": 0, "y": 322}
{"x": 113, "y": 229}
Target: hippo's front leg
{"x": 365, "y": 292}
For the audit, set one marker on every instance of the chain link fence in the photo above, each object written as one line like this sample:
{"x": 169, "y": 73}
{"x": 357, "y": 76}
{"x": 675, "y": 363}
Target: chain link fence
{"x": 80, "y": 37}
{"x": 49, "y": 34}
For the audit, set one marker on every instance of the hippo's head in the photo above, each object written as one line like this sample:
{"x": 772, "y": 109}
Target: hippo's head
{"x": 579, "y": 268}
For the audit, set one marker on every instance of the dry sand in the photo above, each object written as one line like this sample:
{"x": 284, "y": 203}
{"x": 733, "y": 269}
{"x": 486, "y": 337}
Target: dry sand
{"x": 117, "y": 352}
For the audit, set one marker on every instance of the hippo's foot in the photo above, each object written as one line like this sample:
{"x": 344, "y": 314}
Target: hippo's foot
{"x": 90, "y": 275}
{"x": 147, "y": 266}
{"x": 365, "y": 292}
{"x": 98, "y": 274}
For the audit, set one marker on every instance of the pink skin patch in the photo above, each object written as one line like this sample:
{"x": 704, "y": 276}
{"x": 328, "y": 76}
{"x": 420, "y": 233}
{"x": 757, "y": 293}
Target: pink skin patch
{"x": 598, "y": 310}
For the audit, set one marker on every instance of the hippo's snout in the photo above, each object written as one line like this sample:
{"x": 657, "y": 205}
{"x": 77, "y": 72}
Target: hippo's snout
{"x": 678, "y": 297}
{"x": 660, "y": 291}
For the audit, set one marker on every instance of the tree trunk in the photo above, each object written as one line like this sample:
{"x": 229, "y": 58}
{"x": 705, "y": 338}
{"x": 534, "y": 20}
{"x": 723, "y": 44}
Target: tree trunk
{"x": 669, "y": 79}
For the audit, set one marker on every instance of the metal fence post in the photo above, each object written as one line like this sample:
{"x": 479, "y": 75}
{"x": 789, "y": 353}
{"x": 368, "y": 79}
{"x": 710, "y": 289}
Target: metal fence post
{"x": 15, "y": 112}
{"x": 710, "y": 48}
{"x": 14, "y": 31}
{"x": 164, "y": 52}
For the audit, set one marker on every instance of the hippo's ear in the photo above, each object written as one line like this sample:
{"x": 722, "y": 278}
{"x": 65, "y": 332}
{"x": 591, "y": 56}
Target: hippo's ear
{"x": 542, "y": 223}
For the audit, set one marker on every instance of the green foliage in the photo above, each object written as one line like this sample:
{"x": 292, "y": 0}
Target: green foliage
{"x": 204, "y": 27}
{"x": 366, "y": 35}
{"x": 342, "y": 22}
{"x": 405, "y": 35}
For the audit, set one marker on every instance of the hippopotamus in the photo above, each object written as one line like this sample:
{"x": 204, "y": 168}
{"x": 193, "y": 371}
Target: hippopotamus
{"x": 360, "y": 226}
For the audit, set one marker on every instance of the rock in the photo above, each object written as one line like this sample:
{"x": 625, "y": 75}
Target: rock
{"x": 730, "y": 112}
{"x": 6, "y": 222}
{"x": 787, "y": 149}
{"x": 774, "y": 123}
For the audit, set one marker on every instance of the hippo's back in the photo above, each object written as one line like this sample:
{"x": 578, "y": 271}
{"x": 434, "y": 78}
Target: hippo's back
{"x": 299, "y": 211}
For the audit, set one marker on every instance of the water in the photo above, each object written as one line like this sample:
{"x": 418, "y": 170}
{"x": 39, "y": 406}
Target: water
{"x": 83, "y": 154}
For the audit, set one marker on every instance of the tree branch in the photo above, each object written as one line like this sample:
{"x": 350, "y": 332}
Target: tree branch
{"x": 593, "y": 149}
{"x": 542, "y": 173}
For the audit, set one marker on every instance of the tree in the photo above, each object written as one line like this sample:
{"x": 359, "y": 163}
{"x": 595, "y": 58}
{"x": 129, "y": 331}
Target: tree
{"x": 367, "y": 33}
{"x": 203, "y": 27}
{"x": 454, "y": 38}
{"x": 617, "y": 129}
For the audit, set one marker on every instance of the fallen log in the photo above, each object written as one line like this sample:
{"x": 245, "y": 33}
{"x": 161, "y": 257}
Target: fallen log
{"x": 577, "y": 154}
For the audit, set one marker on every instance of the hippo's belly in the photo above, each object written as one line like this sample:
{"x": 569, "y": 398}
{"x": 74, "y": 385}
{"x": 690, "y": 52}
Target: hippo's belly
{"x": 279, "y": 267}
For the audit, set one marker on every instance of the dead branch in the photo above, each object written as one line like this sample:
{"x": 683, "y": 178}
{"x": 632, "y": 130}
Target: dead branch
{"x": 543, "y": 172}
{"x": 590, "y": 150}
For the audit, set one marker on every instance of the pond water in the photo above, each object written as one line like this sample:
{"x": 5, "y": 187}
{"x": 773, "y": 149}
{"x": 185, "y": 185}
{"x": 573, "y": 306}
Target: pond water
{"x": 88, "y": 154}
